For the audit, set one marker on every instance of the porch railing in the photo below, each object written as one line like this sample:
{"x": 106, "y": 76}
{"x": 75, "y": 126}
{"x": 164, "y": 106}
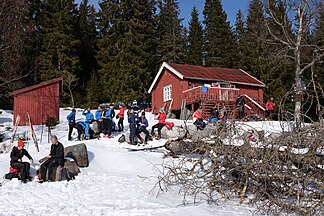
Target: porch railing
{"x": 197, "y": 94}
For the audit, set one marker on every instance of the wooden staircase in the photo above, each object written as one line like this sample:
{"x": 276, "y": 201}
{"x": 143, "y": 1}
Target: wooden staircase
{"x": 207, "y": 108}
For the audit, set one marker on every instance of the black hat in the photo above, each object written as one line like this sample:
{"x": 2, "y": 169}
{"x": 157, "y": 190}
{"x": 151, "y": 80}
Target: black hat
{"x": 143, "y": 113}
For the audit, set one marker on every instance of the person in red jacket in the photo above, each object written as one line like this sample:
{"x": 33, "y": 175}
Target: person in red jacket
{"x": 161, "y": 117}
{"x": 198, "y": 119}
{"x": 121, "y": 118}
{"x": 270, "y": 105}
{"x": 16, "y": 162}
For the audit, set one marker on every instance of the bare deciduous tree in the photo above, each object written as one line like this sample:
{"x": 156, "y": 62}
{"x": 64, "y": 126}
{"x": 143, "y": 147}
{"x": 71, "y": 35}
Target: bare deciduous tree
{"x": 301, "y": 16}
{"x": 70, "y": 81}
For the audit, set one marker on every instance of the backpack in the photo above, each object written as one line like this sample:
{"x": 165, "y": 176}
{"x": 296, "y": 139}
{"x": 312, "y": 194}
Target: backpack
{"x": 66, "y": 174}
{"x": 122, "y": 138}
{"x": 169, "y": 125}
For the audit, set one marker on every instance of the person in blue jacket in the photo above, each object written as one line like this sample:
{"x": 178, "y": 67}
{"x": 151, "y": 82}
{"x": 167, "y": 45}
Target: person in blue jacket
{"x": 132, "y": 126}
{"x": 98, "y": 117}
{"x": 108, "y": 116}
{"x": 89, "y": 118}
{"x": 71, "y": 120}
{"x": 84, "y": 128}
{"x": 141, "y": 127}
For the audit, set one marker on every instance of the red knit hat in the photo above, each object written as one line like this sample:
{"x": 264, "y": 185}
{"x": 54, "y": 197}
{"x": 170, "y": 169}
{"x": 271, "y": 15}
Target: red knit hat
{"x": 20, "y": 143}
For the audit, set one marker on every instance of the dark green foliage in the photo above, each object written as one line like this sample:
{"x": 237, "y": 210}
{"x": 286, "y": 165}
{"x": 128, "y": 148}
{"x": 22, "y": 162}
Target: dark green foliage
{"x": 87, "y": 34}
{"x": 126, "y": 49}
{"x": 240, "y": 32}
{"x": 59, "y": 42}
{"x": 17, "y": 58}
{"x": 195, "y": 39}
{"x": 219, "y": 40}
{"x": 171, "y": 37}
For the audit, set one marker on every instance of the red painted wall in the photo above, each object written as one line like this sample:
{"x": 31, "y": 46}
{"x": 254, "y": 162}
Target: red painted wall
{"x": 165, "y": 79}
{"x": 256, "y": 93}
{"x": 40, "y": 103}
{"x": 178, "y": 86}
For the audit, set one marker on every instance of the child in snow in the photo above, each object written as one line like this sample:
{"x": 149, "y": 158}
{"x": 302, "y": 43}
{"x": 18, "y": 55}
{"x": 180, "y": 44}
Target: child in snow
{"x": 107, "y": 117}
{"x": 16, "y": 161}
{"x": 142, "y": 125}
{"x": 89, "y": 118}
{"x": 98, "y": 117}
{"x": 161, "y": 117}
{"x": 121, "y": 118}
{"x": 132, "y": 126}
{"x": 198, "y": 119}
{"x": 84, "y": 129}
{"x": 71, "y": 120}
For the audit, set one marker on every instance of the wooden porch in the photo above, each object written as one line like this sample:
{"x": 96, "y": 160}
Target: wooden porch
{"x": 207, "y": 97}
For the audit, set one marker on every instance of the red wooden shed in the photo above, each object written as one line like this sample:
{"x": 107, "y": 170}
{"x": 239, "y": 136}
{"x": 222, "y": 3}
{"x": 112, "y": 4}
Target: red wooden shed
{"x": 178, "y": 85}
{"x": 41, "y": 101}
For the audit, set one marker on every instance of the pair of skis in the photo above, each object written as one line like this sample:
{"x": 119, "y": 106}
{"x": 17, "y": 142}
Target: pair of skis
{"x": 14, "y": 132}
{"x": 33, "y": 134}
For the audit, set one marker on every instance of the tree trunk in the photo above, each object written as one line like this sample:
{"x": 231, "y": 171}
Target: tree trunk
{"x": 298, "y": 81}
{"x": 72, "y": 99}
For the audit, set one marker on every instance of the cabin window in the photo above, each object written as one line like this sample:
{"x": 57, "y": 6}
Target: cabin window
{"x": 167, "y": 92}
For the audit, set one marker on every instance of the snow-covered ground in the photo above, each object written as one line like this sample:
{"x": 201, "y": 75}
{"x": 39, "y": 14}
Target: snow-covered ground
{"x": 117, "y": 182}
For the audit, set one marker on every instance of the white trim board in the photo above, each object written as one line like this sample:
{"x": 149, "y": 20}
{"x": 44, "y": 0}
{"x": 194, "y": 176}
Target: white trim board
{"x": 167, "y": 66}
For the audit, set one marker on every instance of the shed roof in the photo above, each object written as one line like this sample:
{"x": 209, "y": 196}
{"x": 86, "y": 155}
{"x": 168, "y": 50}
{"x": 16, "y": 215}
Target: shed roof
{"x": 37, "y": 86}
{"x": 185, "y": 71}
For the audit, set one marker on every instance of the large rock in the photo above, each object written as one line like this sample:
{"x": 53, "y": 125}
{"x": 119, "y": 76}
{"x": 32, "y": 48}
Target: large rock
{"x": 175, "y": 132}
{"x": 78, "y": 153}
{"x": 70, "y": 164}
{"x": 194, "y": 134}
{"x": 136, "y": 139}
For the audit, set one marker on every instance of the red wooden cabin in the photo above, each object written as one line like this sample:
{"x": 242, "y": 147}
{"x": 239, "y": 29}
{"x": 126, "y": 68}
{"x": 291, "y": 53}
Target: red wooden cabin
{"x": 178, "y": 85}
{"x": 41, "y": 101}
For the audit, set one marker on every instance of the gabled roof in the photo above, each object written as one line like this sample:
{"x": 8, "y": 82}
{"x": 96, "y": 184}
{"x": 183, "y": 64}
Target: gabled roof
{"x": 40, "y": 85}
{"x": 185, "y": 71}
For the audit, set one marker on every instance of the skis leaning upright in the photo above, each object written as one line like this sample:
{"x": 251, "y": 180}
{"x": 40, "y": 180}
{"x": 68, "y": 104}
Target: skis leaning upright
{"x": 14, "y": 131}
{"x": 33, "y": 132}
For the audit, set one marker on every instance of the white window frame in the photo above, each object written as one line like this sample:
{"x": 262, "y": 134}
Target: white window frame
{"x": 167, "y": 93}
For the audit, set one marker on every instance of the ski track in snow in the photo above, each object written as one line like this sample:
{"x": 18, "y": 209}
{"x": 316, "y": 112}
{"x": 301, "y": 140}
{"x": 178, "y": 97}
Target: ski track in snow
{"x": 117, "y": 182}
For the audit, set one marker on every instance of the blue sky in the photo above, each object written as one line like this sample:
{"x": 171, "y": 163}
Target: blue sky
{"x": 230, "y": 6}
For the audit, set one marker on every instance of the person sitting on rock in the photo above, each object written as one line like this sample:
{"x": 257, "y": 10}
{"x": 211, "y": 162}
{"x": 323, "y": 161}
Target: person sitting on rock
{"x": 141, "y": 127}
{"x": 161, "y": 117}
{"x": 54, "y": 159}
{"x": 16, "y": 162}
{"x": 198, "y": 119}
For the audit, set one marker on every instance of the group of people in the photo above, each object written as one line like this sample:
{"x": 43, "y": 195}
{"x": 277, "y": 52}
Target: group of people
{"x": 138, "y": 125}
{"x": 47, "y": 168}
{"x": 94, "y": 125}
{"x": 103, "y": 122}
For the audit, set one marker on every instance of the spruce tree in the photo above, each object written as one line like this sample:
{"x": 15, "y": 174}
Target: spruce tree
{"x": 59, "y": 42}
{"x": 240, "y": 31}
{"x": 195, "y": 39}
{"x": 254, "y": 51}
{"x": 87, "y": 34}
{"x": 219, "y": 40}
{"x": 127, "y": 49}
{"x": 17, "y": 61}
{"x": 171, "y": 37}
